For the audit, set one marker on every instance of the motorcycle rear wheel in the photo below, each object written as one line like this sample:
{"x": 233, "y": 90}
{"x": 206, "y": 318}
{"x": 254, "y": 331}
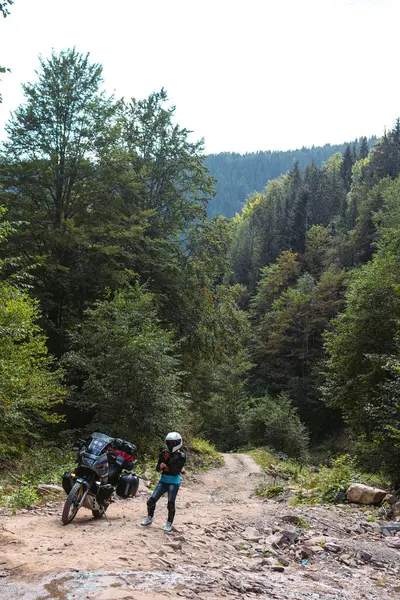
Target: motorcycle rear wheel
{"x": 72, "y": 503}
{"x": 98, "y": 514}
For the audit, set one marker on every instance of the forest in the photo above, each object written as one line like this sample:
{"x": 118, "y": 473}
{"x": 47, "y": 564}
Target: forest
{"x": 127, "y": 307}
{"x": 238, "y": 175}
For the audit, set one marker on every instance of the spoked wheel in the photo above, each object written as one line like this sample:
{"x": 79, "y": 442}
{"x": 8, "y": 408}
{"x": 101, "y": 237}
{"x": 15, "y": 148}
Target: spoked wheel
{"x": 97, "y": 514}
{"x": 72, "y": 503}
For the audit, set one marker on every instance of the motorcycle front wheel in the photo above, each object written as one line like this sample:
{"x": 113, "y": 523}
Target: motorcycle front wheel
{"x": 72, "y": 503}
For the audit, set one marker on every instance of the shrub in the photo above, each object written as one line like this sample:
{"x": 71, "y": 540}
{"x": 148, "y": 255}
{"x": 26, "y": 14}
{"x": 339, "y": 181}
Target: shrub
{"x": 268, "y": 491}
{"x": 274, "y": 422}
{"x": 122, "y": 372}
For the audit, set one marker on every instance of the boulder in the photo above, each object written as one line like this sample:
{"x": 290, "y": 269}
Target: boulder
{"x": 364, "y": 494}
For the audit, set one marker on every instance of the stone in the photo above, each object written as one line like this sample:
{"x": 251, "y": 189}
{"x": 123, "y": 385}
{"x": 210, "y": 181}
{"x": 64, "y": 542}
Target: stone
{"x": 251, "y": 534}
{"x": 389, "y": 499}
{"x": 316, "y": 540}
{"x": 292, "y": 519}
{"x": 364, "y": 556}
{"x": 364, "y": 494}
{"x": 346, "y": 559}
{"x": 287, "y": 537}
{"x": 49, "y": 488}
{"x": 305, "y": 552}
{"x": 175, "y": 545}
{"x": 267, "y": 562}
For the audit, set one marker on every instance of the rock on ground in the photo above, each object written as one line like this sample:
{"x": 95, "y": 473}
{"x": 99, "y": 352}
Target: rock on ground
{"x": 364, "y": 494}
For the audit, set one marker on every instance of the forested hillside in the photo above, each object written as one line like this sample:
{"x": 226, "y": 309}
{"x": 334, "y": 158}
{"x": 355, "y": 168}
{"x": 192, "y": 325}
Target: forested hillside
{"x": 238, "y": 175}
{"x": 125, "y": 308}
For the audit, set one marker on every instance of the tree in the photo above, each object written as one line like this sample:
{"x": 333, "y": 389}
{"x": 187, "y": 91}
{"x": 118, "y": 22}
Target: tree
{"x": 275, "y": 279}
{"x": 4, "y": 11}
{"x": 316, "y": 249}
{"x": 122, "y": 371}
{"x": 4, "y": 7}
{"x": 362, "y": 346}
{"x": 288, "y": 343}
{"x": 275, "y": 422}
{"x": 49, "y": 174}
{"x": 29, "y": 387}
{"x": 346, "y": 167}
{"x": 105, "y": 190}
{"x": 364, "y": 150}
{"x": 171, "y": 168}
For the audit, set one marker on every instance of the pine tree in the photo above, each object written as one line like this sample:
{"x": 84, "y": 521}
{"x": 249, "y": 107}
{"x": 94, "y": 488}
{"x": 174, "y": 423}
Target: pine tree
{"x": 363, "y": 149}
{"x": 346, "y": 167}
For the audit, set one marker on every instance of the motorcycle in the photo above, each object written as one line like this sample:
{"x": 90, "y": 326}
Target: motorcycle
{"x": 104, "y": 468}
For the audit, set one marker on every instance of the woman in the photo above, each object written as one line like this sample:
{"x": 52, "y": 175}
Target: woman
{"x": 170, "y": 464}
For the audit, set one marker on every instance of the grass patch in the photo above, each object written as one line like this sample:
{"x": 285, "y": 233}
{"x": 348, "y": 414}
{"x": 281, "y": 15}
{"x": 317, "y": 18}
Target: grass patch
{"x": 202, "y": 455}
{"x": 310, "y": 485}
{"x": 40, "y": 465}
{"x": 302, "y": 523}
{"x": 268, "y": 491}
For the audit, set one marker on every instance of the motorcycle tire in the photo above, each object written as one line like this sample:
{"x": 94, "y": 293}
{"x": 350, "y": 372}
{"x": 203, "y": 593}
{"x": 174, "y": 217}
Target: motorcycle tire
{"x": 70, "y": 509}
{"x": 98, "y": 514}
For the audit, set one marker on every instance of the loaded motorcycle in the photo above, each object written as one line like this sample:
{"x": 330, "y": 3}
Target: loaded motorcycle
{"x": 101, "y": 471}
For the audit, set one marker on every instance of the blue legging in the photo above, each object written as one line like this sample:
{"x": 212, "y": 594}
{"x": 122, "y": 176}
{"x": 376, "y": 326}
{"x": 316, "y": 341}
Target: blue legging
{"x": 161, "y": 489}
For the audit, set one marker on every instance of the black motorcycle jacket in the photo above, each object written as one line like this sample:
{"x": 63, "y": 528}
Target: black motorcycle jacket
{"x": 174, "y": 460}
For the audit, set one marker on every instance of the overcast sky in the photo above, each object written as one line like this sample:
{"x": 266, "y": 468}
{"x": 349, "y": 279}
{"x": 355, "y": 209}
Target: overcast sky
{"x": 245, "y": 75}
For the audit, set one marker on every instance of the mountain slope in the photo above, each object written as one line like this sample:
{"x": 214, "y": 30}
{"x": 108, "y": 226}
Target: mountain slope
{"x": 238, "y": 175}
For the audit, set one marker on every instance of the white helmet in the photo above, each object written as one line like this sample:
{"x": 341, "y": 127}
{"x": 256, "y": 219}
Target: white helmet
{"x": 173, "y": 441}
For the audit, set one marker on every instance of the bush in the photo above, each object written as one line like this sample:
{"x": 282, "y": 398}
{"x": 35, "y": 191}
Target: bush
{"x": 274, "y": 422}
{"x": 122, "y": 373}
{"x": 330, "y": 483}
{"x": 28, "y": 387}
{"x": 41, "y": 465}
{"x": 268, "y": 491}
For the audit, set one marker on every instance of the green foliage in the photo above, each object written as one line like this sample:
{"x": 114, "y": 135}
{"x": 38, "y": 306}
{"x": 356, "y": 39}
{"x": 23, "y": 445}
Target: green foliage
{"x": 122, "y": 372}
{"x": 238, "y": 175}
{"x": 363, "y": 347}
{"x": 275, "y": 422}
{"x": 42, "y": 464}
{"x": 330, "y": 480}
{"x": 203, "y": 455}
{"x": 268, "y": 492}
{"x": 264, "y": 457}
{"x": 4, "y": 7}
{"x": 246, "y": 331}
{"x": 28, "y": 387}
{"x": 317, "y": 240}
{"x": 104, "y": 189}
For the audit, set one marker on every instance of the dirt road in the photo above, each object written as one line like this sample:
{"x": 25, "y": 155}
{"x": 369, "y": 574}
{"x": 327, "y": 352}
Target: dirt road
{"x": 221, "y": 547}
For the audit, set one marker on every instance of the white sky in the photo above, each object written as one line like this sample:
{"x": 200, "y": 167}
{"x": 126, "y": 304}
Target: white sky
{"x": 245, "y": 75}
